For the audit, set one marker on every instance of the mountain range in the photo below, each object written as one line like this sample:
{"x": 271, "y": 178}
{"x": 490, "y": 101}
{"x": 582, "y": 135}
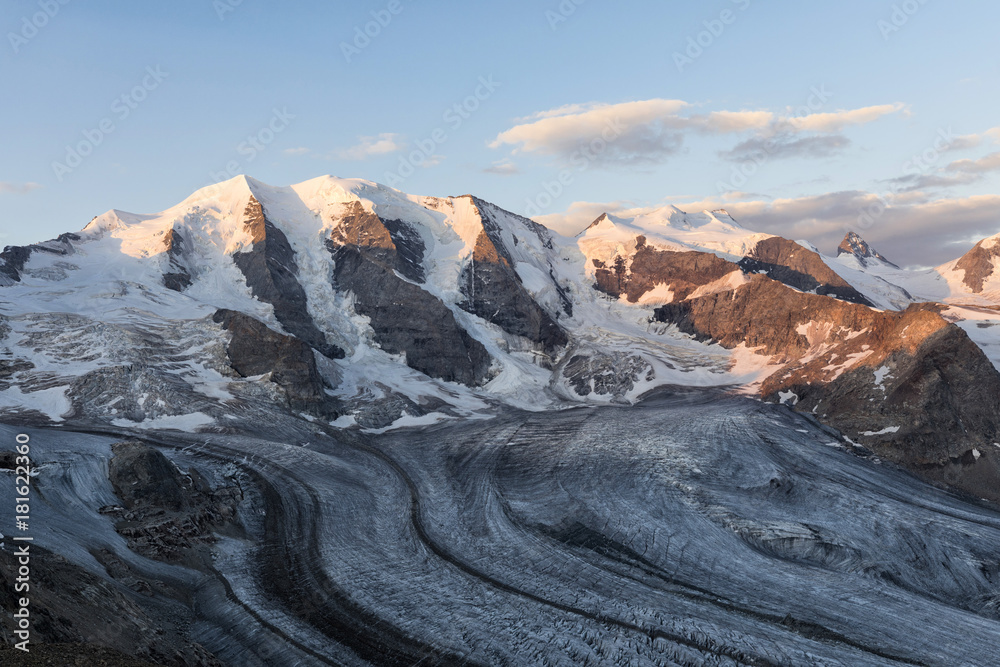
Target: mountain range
{"x": 337, "y": 424}
{"x": 351, "y": 303}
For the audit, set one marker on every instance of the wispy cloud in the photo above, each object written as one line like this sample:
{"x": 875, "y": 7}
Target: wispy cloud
{"x": 983, "y": 165}
{"x": 787, "y": 146}
{"x": 7, "y": 187}
{"x": 836, "y": 121}
{"x": 502, "y": 168}
{"x": 367, "y": 147}
{"x": 296, "y": 151}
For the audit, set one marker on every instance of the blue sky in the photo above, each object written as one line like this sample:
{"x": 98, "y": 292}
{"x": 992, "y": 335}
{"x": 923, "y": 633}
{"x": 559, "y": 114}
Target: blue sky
{"x": 820, "y": 106}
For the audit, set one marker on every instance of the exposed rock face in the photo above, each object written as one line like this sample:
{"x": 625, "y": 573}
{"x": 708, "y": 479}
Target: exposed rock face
{"x": 615, "y": 375}
{"x": 979, "y": 264}
{"x": 14, "y": 258}
{"x": 270, "y": 271}
{"x": 71, "y": 605}
{"x": 681, "y": 272}
{"x": 494, "y": 292}
{"x": 910, "y": 386}
{"x": 165, "y": 513}
{"x": 853, "y": 244}
{"x": 405, "y": 318}
{"x": 257, "y": 350}
{"x": 178, "y": 278}
{"x": 137, "y": 392}
{"x": 790, "y": 263}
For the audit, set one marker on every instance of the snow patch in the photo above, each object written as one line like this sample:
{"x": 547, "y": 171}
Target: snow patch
{"x": 886, "y": 431}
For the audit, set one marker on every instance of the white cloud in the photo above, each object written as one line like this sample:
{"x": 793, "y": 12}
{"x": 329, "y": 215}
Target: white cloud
{"x": 981, "y": 166}
{"x": 632, "y": 132}
{"x": 17, "y": 188}
{"x": 296, "y": 151}
{"x": 502, "y": 168}
{"x": 367, "y": 147}
{"x": 836, "y": 121}
{"x": 650, "y": 131}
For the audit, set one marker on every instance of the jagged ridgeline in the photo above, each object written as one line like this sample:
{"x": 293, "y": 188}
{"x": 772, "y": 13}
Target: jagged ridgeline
{"x": 345, "y": 302}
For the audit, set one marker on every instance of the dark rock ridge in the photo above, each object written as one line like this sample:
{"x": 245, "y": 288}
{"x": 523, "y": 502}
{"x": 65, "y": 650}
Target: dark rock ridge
{"x": 790, "y": 263}
{"x": 165, "y": 514}
{"x": 607, "y": 375}
{"x": 910, "y": 386}
{"x": 14, "y": 258}
{"x": 270, "y": 271}
{"x": 255, "y": 349}
{"x": 853, "y": 244}
{"x": 405, "y": 318}
{"x": 978, "y": 265}
{"x": 493, "y": 291}
{"x": 489, "y": 214}
{"x": 178, "y": 277}
{"x": 682, "y": 272}
{"x": 70, "y": 605}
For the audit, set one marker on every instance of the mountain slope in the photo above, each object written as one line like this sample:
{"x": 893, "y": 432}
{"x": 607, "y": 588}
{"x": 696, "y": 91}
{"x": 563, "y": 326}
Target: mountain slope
{"x": 344, "y": 301}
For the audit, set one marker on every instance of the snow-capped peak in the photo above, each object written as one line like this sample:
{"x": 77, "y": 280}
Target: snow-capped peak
{"x": 853, "y": 244}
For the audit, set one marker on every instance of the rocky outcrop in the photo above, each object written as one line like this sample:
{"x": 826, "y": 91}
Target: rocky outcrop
{"x": 910, "y": 386}
{"x": 682, "y": 273}
{"x": 979, "y": 264}
{"x": 270, "y": 271}
{"x": 404, "y": 318}
{"x": 164, "y": 513}
{"x": 493, "y": 291}
{"x": 254, "y": 349}
{"x": 177, "y": 277}
{"x": 612, "y": 375}
{"x": 792, "y": 264}
{"x": 70, "y": 605}
{"x": 854, "y": 245}
{"x": 14, "y": 258}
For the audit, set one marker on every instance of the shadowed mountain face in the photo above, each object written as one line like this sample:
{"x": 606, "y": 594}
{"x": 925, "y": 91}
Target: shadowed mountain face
{"x": 270, "y": 271}
{"x": 405, "y": 319}
{"x": 177, "y": 278}
{"x": 493, "y": 291}
{"x": 910, "y": 386}
{"x": 14, "y": 258}
{"x": 255, "y": 350}
{"x": 790, "y": 263}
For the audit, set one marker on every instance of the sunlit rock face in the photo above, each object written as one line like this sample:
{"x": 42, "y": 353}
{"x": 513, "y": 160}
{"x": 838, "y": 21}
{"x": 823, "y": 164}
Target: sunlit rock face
{"x": 857, "y": 247}
{"x": 911, "y": 386}
{"x": 979, "y": 264}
